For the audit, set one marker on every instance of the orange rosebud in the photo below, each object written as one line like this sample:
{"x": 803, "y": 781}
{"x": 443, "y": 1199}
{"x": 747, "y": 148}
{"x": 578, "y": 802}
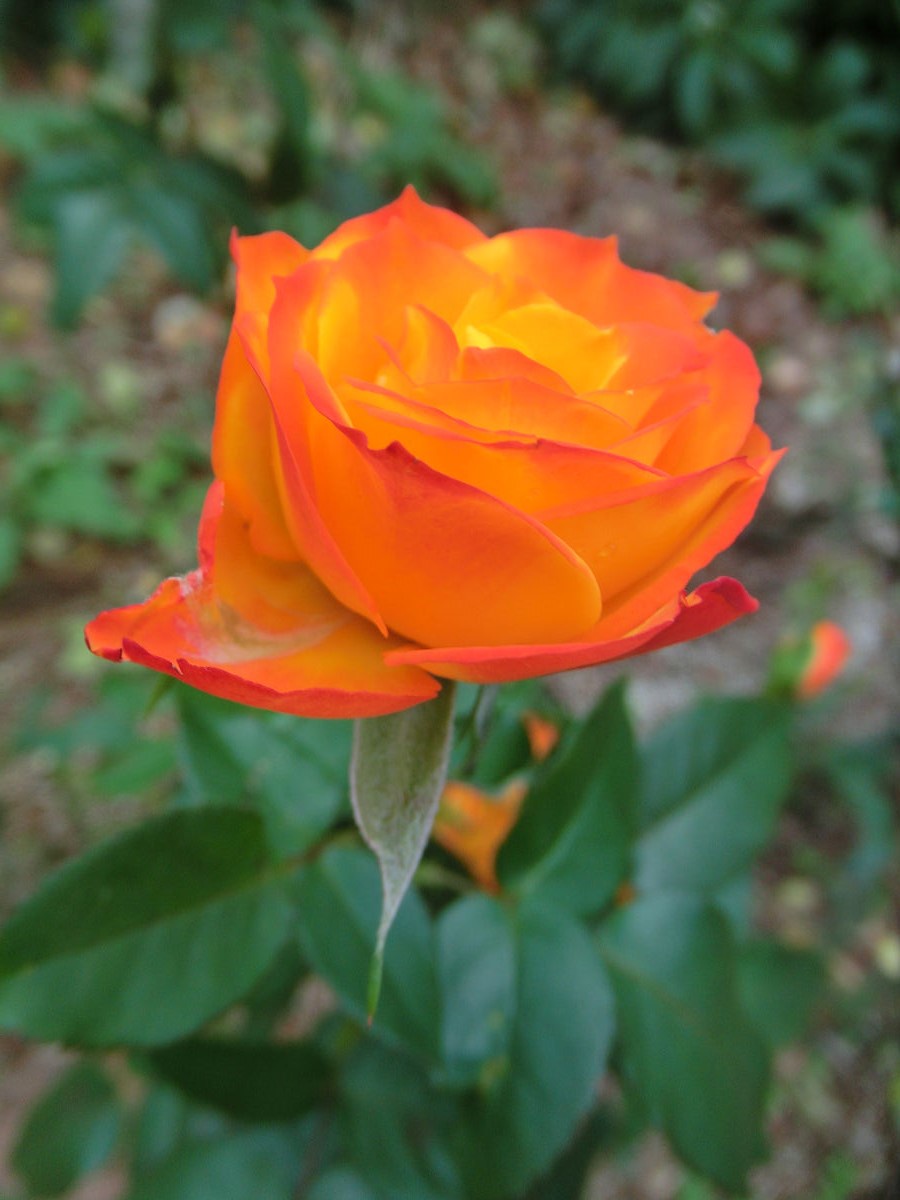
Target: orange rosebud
{"x": 473, "y": 826}
{"x": 443, "y": 455}
{"x": 542, "y": 735}
{"x": 829, "y": 649}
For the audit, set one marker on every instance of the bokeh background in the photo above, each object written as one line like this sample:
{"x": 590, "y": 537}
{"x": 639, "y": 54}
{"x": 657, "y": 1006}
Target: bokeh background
{"x": 751, "y": 148}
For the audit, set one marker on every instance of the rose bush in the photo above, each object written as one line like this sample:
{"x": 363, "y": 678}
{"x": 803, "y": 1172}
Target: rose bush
{"x": 439, "y": 454}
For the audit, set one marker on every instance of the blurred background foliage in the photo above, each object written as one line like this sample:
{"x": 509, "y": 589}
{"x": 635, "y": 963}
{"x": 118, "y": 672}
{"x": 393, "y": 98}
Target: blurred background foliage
{"x": 801, "y": 98}
{"x": 133, "y": 161}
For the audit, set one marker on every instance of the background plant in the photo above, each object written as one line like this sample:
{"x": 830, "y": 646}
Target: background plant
{"x": 798, "y": 97}
{"x": 624, "y": 919}
{"x": 125, "y": 167}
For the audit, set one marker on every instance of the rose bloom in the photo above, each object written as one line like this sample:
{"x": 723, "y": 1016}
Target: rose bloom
{"x": 443, "y": 455}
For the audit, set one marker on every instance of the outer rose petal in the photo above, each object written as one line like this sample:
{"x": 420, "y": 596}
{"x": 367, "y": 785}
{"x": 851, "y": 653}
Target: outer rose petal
{"x": 329, "y": 663}
{"x": 685, "y": 523}
{"x": 307, "y": 530}
{"x": 260, "y": 260}
{"x": 712, "y": 606}
{"x": 243, "y": 445}
{"x": 427, "y": 221}
{"x": 245, "y": 453}
{"x": 718, "y": 429}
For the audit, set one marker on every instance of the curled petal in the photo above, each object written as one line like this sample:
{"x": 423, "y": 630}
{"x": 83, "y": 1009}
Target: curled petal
{"x": 292, "y": 648}
{"x": 712, "y": 606}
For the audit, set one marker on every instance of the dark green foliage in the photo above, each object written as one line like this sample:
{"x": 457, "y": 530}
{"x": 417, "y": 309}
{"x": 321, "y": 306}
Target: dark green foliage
{"x": 572, "y": 843}
{"x": 687, "y": 1047}
{"x": 714, "y": 781}
{"x": 252, "y": 1081}
{"x": 800, "y": 97}
{"x": 119, "y": 187}
{"x": 103, "y": 180}
{"x": 192, "y": 940}
{"x": 71, "y": 1131}
{"x": 532, "y": 1090}
{"x": 184, "y": 907}
{"x": 339, "y": 896}
{"x": 233, "y": 755}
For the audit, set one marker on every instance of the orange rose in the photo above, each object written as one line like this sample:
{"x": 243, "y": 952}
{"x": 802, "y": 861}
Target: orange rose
{"x": 439, "y": 454}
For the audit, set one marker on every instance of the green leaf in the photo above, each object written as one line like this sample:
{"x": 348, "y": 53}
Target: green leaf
{"x": 477, "y": 972}
{"x": 340, "y": 1183}
{"x": 146, "y": 936}
{"x": 258, "y": 1165}
{"x": 79, "y": 495}
{"x": 339, "y": 900}
{"x": 714, "y": 780}
{"x": 174, "y": 224}
{"x": 394, "y": 1126}
{"x": 566, "y": 1180}
{"x": 29, "y": 124}
{"x": 397, "y": 774}
{"x": 71, "y": 1131}
{"x": 159, "y": 1129}
{"x": 779, "y": 987}
{"x": 686, "y": 1047}
{"x": 572, "y": 843}
{"x": 92, "y": 236}
{"x": 137, "y": 766}
{"x": 695, "y": 92}
{"x": 252, "y": 1081}
{"x": 294, "y": 772}
{"x": 554, "y": 1025}
{"x": 295, "y": 156}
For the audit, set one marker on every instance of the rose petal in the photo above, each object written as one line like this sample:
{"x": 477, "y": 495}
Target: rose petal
{"x": 292, "y": 468}
{"x": 585, "y": 356}
{"x": 244, "y": 447}
{"x": 684, "y": 523}
{"x": 528, "y": 475}
{"x": 712, "y": 606}
{"x": 427, "y": 221}
{"x": 260, "y": 260}
{"x": 444, "y": 561}
{"x": 371, "y": 289}
{"x": 245, "y": 453}
{"x": 303, "y": 654}
{"x": 484, "y": 410}
{"x": 718, "y": 429}
{"x": 587, "y": 277}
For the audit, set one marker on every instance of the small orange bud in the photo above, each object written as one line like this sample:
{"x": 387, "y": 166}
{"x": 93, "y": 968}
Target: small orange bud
{"x": 829, "y": 649}
{"x": 472, "y": 825}
{"x": 542, "y": 735}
